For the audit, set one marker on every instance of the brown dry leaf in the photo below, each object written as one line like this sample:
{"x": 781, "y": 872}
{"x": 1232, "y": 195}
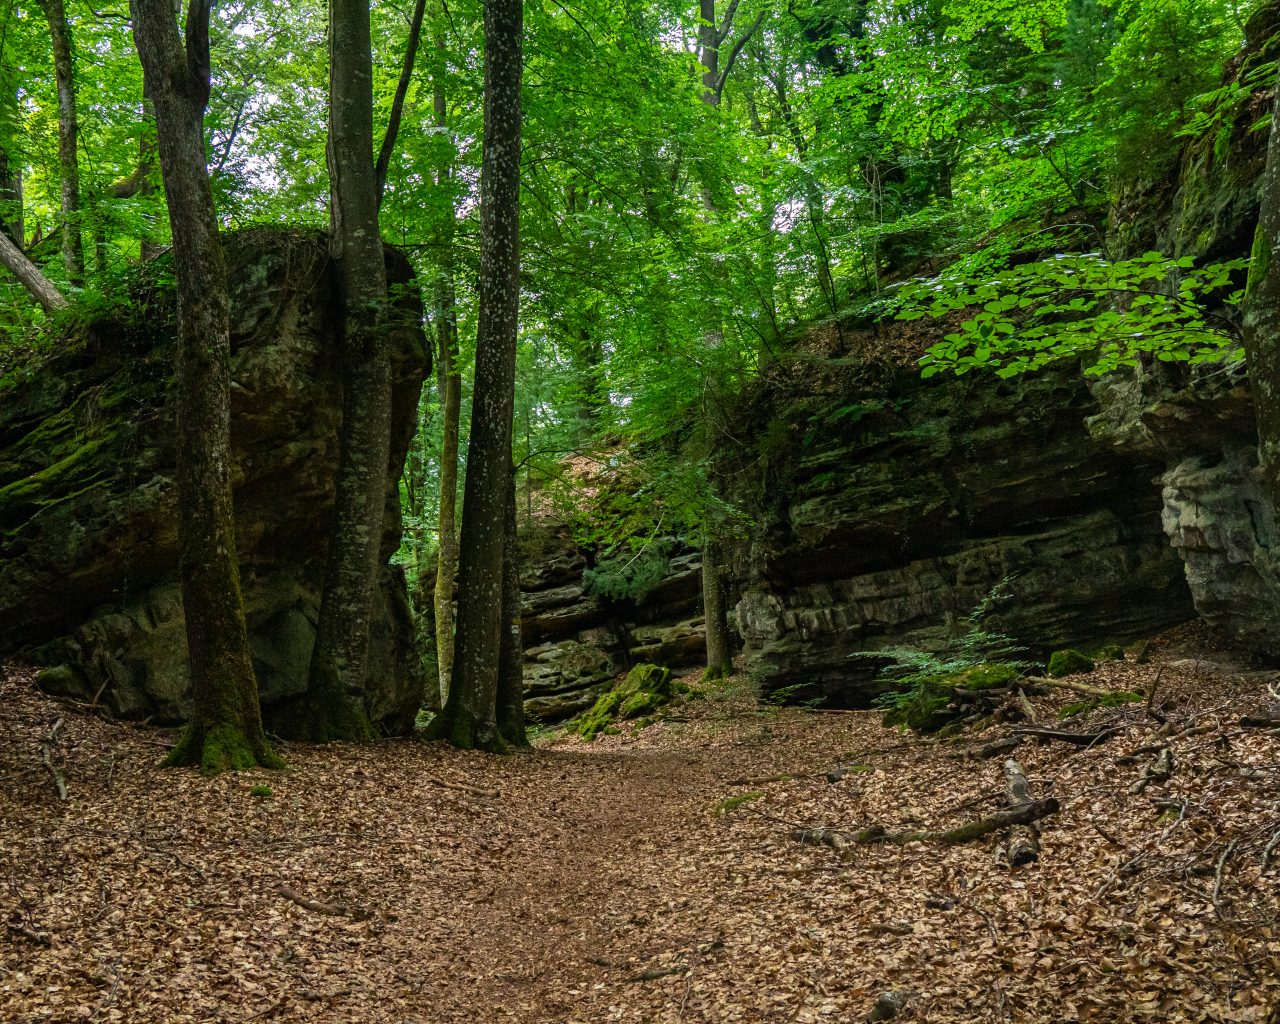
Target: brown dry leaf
{"x": 604, "y": 886}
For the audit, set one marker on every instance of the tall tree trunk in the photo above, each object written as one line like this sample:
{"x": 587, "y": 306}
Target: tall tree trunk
{"x": 11, "y": 212}
{"x": 68, "y": 131}
{"x": 226, "y": 730}
{"x": 715, "y": 607}
{"x": 333, "y": 706}
{"x": 714, "y": 604}
{"x": 469, "y": 718}
{"x": 450, "y": 402}
{"x": 32, "y": 277}
{"x": 511, "y": 654}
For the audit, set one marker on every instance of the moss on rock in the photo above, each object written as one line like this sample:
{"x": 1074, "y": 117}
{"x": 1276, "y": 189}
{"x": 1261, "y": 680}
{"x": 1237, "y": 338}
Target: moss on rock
{"x": 600, "y": 715}
{"x": 1069, "y": 662}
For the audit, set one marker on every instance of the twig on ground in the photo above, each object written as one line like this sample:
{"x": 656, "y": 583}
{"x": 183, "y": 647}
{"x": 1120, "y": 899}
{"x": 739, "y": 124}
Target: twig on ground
{"x": 1219, "y": 875}
{"x": 333, "y": 909}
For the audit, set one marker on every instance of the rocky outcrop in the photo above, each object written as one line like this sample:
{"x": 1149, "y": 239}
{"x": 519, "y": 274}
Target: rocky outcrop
{"x": 577, "y": 640}
{"x": 940, "y": 496}
{"x": 88, "y": 507}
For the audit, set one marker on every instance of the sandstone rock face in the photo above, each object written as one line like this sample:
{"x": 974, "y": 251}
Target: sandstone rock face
{"x": 1218, "y": 518}
{"x": 88, "y": 505}
{"x": 577, "y": 642}
{"x": 942, "y": 495}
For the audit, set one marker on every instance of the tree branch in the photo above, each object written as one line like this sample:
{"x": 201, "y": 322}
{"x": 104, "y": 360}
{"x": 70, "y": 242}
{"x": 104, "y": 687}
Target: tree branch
{"x": 383, "y": 162}
{"x": 737, "y": 49}
{"x": 32, "y": 277}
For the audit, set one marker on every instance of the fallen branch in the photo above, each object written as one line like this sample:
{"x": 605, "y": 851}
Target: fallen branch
{"x": 1068, "y": 684}
{"x": 1080, "y": 739}
{"x": 1024, "y": 840}
{"x": 1024, "y": 814}
{"x": 1259, "y": 722}
{"x": 459, "y": 787}
{"x": 1155, "y": 773}
{"x": 1269, "y": 849}
{"x": 31, "y": 934}
{"x": 658, "y": 972}
{"x": 333, "y": 909}
{"x": 46, "y": 755}
{"x": 1218, "y": 876}
{"x": 996, "y": 748}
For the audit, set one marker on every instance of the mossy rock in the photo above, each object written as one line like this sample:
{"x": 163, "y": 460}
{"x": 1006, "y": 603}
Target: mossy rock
{"x": 647, "y": 679}
{"x": 927, "y": 713}
{"x": 986, "y": 676}
{"x": 641, "y": 704}
{"x": 1107, "y": 652}
{"x": 600, "y": 715}
{"x": 1068, "y": 663}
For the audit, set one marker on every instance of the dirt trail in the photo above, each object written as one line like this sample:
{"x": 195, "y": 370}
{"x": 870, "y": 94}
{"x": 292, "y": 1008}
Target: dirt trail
{"x": 606, "y": 883}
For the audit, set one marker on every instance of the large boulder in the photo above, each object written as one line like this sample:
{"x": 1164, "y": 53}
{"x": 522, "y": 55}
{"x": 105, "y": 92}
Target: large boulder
{"x": 88, "y": 503}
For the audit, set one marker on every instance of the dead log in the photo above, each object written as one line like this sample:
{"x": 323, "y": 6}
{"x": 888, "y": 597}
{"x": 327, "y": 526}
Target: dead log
{"x": 1069, "y": 684}
{"x": 1259, "y": 722}
{"x": 1023, "y": 814}
{"x": 1155, "y": 773}
{"x": 1024, "y": 705}
{"x": 1024, "y": 840}
{"x": 1080, "y": 739}
{"x": 996, "y": 748}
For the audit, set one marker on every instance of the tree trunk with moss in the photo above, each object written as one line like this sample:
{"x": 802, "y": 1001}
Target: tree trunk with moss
{"x": 511, "y": 723}
{"x": 68, "y": 134}
{"x": 226, "y": 729}
{"x": 333, "y": 706}
{"x": 715, "y": 609}
{"x": 1262, "y": 317}
{"x": 469, "y": 718}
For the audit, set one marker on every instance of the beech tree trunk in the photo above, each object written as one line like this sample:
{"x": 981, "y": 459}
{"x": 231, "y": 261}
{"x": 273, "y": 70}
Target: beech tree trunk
{"x": 1262, "y": 317}
{"x": 333, "y": 706}
{"x": 511, "y": 724}
{"x": 711, "y": 37}
{"x": 226, "y": 730}
{"x": 715, "y": 607}
{"x": 68, "y": 132}
{"x": 11, "y": 213}
{"x": 450, "y": 405}
{"x": 469, "y": 718}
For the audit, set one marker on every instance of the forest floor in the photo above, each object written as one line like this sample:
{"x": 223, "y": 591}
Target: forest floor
{"x": 649, "y": 877}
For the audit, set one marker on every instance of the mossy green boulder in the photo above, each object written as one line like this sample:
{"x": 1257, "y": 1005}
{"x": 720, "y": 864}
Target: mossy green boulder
{"x": 645, "y": 689}
{"x": 648, "y": 679}
{"x": 1068, "y": 663}
{"x": 600, "y": 715}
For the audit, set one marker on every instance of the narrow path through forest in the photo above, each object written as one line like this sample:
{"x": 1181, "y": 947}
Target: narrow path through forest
{"x": 622, "y": 880}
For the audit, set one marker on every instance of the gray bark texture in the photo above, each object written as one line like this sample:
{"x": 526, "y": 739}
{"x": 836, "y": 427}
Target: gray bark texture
{"x": 450, "y": 403}
{"x": 333, "y": 708}
{"x": 32, "y": 277}
{"x": 511, "y": 724}
{"x": 226, "y": 730}
{"x": 469, "y": 718}
{"x": 68, "y": 133}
